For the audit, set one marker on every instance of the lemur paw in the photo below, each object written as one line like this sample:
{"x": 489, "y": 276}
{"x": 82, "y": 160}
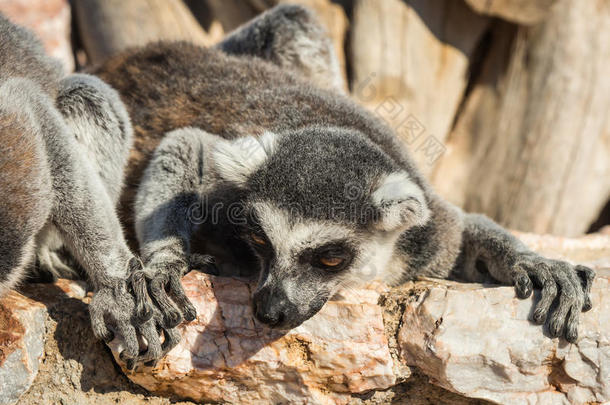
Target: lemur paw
{"x": 156, "y": 348}
{"x": 157, "y": 318}
{"x": 122, "y": 306}
{"x": 113, "y": 310}
{"x": 565, "y": 292}
{"x": 165, "y": 288}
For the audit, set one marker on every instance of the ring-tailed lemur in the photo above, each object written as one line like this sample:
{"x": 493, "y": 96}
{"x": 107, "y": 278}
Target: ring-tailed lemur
{"x": 64, "y": 143}
{"x": 237, "y": 157}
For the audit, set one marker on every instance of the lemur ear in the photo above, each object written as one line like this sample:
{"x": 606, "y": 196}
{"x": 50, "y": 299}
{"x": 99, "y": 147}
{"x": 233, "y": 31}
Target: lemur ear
{"x": 236, "y": 160}
{"x": 400, "y": 203}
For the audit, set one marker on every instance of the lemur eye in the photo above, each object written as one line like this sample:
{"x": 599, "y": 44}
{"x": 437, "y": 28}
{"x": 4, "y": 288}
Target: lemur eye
{"x": 332, "y": 261}
{"x": 258, "y": 239}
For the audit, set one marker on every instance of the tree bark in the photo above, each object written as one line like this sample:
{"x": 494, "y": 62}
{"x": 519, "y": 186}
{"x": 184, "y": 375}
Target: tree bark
{"x": 110, "y": 26}
{"x": 410, "y": 63}
{"x": 531, "y": 147}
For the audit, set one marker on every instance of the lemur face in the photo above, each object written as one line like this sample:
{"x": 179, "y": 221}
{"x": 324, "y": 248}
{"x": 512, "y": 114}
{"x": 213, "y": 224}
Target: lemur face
{"x": 304, "y": 261}
{"x": 325, "y": 207}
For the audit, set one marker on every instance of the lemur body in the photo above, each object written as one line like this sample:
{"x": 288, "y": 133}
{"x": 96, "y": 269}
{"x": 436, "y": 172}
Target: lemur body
{"x": 326, "y": 196}
{"x": 325, "y": 193}
{"x": 64, "y": 142}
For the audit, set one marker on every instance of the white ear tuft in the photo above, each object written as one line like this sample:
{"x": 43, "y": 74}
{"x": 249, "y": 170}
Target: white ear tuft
{"x": 401, "y": 203}
{"x": 236, "y": 160}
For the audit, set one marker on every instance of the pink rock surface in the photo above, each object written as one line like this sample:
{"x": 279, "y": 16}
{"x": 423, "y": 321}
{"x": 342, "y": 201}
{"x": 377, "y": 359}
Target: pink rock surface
{"x": 22, "y": 332}
{"x": 49, "y": 19}
{"x": 226, "y": 355}
{"x": 471, "y": 339}
{"x": 478, "y": 342}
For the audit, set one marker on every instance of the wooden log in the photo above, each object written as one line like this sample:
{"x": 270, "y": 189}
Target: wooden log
{"x": 519, "y": 11}
{"x": 531, "y": 148}
{"x": 110, "y": 26}
{"x": 410, "y": 63}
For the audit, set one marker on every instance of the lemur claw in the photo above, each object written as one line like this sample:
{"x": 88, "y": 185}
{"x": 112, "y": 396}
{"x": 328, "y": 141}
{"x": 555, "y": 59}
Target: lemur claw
{"x": 113, "y": 306}
{"x": 565, "y": 292}
{"x": 156, "y": 349}
{"x": 165, "y": 287}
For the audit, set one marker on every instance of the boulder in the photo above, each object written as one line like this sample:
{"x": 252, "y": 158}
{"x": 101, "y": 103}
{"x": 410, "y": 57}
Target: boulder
{"x": 471, "y": 339}
{"x": 478, "y": 341}
{"x": 22, "y": 330}
{"x": 76, "y": 368}
{"x": 368, "y": 346}
{"x": 227, "y": 356}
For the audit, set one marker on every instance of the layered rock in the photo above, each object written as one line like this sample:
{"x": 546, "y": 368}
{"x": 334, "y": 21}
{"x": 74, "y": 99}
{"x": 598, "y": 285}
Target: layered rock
{"x": 370, "y": 346}
{"x": 479, "y": 342}
{"x": 226, "y": 355}
{"x": 22, "y": 331}
{"x": 471, "y": 339}
{"x": 76, "y": 368}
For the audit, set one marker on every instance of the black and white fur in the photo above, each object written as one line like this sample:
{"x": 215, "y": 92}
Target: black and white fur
{"x": 264, "y": 155}
{"x": 64, "y": 143}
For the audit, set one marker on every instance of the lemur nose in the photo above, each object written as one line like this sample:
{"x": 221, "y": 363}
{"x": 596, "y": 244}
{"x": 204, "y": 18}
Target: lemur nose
{"x": 266, "y": 310}
{"x": 270, "y": 318}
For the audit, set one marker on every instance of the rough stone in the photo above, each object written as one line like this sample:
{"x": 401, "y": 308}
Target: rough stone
{"x": 50, "y": 20}
{"x": 76, "y": 368}
{"x": 22, "y": 330}
{"x": 469, "y": 339}
{"x": 226, "y": 355}
{"x": 371, "y": 346}
{"x": 478, "y": 341}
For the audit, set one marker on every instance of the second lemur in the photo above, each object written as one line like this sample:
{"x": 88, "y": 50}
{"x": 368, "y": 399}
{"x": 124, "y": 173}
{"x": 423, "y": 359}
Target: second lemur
{"x": 64, "y": 142}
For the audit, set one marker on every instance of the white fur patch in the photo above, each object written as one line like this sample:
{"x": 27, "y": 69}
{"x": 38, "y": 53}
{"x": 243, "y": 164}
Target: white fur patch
{"x": 401, "y": 202}
{"x": 290, "y": 234}
{"x": 236, "y": 160}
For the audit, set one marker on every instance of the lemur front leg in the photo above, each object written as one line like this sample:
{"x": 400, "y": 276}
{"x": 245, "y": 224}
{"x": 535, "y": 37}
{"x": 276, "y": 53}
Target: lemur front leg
{"x": 291, "y": 37}
{"x": 487, "y": 248}
{"x": 168, "y": 197}
{"x": 88, "y": 149}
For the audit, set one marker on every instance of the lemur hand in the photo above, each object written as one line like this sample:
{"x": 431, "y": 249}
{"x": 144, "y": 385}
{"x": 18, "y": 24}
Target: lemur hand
{"x": 165, "y": 288}
{"x": 170, "y": 308}
{"x": 159, "y": 340}
{"x": 567, "y": 285}
{"x": 114, "y": 309}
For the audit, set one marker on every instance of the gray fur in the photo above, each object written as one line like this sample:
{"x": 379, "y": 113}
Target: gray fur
{"x": 80, "y": 135}
{"x": 23, "y": 56}
{"x": 315, "y": 184}
{"x": 291, "y": 37}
